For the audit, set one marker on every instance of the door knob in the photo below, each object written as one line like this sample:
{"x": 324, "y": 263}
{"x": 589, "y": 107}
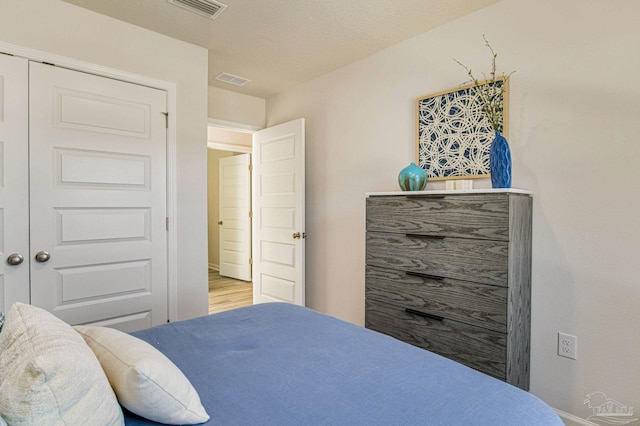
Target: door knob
{"x": 42, "y": 256}
{"x": 296, "y": 235}
{"x": 15, "y": 259}
{"x": 219, "y": 222}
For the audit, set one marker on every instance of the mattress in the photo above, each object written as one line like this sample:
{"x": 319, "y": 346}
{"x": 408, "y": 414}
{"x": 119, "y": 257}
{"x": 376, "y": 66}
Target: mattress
{"x": 281, "y": 364}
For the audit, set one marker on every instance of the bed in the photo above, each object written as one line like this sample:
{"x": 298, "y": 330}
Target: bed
{"x": 268, "y": 364}
{"x": 280, "y": 364}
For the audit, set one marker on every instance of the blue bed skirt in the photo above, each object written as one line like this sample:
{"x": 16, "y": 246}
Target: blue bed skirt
{"x": 280, "y": 364}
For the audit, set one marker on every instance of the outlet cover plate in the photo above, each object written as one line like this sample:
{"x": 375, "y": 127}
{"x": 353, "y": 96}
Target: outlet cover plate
{"x": 567, "y": 345}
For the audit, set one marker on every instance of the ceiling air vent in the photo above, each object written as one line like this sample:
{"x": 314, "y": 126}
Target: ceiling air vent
{"x": 209, "y": 8}
{"x": 232, "y": 79}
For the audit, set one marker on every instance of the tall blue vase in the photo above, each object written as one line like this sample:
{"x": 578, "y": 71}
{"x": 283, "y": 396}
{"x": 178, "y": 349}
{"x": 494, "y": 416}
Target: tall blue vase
{"x": 500, "y": 162}
{"x": 412, "y": 178}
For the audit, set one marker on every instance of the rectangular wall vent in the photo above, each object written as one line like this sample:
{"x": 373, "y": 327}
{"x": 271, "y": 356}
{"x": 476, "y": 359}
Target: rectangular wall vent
{"x": 209, "y": 8}
{"x": 232, "y": 79}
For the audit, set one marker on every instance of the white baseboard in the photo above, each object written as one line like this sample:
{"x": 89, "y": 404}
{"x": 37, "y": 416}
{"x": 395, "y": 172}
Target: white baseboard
{"x": 571, "y": 420}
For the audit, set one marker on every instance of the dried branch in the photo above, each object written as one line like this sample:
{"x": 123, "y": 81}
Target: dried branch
{"x": 491, "y": 90}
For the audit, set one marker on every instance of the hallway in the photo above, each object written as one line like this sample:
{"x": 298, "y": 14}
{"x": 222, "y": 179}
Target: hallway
{"x": 228, "y": 293}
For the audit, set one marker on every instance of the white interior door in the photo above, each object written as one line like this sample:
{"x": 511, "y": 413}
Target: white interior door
{"x": 278, "y": 214}
{"x": 98, "y": 199}
{"x": 14, "y": 181}
{"x": 235, "y": 216}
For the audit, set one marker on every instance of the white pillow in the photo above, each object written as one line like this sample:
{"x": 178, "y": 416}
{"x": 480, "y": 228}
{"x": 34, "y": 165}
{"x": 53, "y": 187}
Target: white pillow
{"x": 48, "y": 374}
{"x": 145, "y": 381}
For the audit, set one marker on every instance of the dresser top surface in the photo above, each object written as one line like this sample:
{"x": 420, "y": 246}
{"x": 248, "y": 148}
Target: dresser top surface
{"x": 453, "y": 192}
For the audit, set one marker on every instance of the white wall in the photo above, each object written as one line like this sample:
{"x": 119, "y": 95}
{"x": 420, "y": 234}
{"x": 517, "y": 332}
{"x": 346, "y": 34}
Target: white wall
{"x": 64, "y": 29}
{"x": 236, "y": 108}
{"x": 574, "y": 106}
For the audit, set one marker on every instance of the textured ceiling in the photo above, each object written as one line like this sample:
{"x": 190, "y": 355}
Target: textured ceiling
{"x": 280, "y": 43}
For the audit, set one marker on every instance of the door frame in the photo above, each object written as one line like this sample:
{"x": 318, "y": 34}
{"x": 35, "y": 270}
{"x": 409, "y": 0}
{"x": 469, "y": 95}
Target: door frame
{"x": 244, "y": 128}
{"x": 222, "y": 146}
{"x": 172, "y": 183}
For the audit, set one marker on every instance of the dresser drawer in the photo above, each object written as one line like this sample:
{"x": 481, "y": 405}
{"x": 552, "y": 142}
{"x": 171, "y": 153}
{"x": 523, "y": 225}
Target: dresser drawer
{"x": 469, "y": 216}
{"x": 483, "y": 261}
{"x": 478, "y": 348}
{"x": 476, "y": 304}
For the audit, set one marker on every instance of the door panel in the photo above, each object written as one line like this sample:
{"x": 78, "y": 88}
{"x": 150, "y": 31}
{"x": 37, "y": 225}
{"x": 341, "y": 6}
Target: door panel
{"x": 14, "y": 180}
{"x": 102, "y": 169}
{"x": 99, "y": 113}
{"x": 102, "y": 225}
{"x": 278, "y": 210}
{"x": 234, "y": 212}
{"x": 98, "y": 198}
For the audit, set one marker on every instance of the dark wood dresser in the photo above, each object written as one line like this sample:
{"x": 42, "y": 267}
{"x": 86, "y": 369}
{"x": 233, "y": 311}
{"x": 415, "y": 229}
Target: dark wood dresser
{"x": 450, "y": 271}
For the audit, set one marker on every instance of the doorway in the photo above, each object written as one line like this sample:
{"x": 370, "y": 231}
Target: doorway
{"x": 225, "y": 292}
{"x": 277, "y": 236}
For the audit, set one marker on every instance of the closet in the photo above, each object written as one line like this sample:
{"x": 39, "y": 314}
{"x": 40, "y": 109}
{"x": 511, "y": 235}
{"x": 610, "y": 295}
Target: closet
{"x": 82, "y": 195}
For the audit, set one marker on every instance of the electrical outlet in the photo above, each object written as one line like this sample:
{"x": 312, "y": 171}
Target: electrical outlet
{"x": 567, "y": 345}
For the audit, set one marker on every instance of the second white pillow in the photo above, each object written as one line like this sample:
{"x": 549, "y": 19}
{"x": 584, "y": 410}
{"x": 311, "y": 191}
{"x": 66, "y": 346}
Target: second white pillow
{"x": 145, "y": 381}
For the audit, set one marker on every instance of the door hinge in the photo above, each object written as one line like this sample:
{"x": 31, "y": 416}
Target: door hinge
{"x": 250, "y": 167}
{"x": 166, "y": 223}
{"x": 166, "y": 119}
{"x": 251, "y": 261}
{"x": 251, "y": 214}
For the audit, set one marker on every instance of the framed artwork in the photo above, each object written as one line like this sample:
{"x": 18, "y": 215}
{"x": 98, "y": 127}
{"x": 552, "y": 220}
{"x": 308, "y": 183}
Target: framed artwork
{"x": 453, "y": 135}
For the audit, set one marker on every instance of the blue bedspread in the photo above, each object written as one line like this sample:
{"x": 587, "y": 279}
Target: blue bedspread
{"x": 280, "y": 364}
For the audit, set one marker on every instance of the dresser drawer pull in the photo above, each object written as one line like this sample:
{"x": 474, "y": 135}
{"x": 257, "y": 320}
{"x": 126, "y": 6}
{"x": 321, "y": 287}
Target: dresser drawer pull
{"x": 426, "y": 237}
{"x": 423, "y": 314}
{"x": 420, "y": 274}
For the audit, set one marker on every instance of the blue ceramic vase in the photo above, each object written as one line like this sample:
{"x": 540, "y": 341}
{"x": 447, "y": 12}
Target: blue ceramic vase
{"x": 412, "y": 178}
{"x": 500, "y": 162}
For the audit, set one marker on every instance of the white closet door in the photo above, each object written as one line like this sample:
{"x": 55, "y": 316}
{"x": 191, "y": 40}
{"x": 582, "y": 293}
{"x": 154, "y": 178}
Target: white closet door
{"x": 14, "y": 180}
{"x": 234, "y": 213}
{"x": 98, "y": 199}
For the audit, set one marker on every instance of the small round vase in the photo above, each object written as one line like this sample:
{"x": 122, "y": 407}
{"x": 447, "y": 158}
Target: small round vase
{"x": 412, "y": 178}
{"x": 500, "y": 162}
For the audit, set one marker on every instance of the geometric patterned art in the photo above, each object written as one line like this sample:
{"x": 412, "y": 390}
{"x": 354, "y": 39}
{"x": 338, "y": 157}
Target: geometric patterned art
{"x": 454, "y": 136}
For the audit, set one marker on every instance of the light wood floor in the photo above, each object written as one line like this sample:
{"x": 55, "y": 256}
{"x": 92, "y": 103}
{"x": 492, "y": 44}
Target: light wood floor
{"x": 226, "y": 293}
